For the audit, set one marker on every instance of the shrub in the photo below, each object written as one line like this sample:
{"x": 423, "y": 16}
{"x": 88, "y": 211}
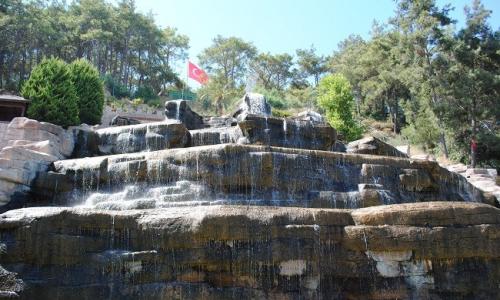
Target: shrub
{"x": 281, "y": 113}
{"x": 89, "y": 89}
{"x": 52, "y": 94}
{"x": 335, "y": 97}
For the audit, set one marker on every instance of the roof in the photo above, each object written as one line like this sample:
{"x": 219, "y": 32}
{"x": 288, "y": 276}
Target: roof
{"x": 13, "y": 98}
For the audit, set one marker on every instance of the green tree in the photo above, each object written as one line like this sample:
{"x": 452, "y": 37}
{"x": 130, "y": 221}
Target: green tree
{"x": 89, "y": 90}
{"x": 273, "y": 71}
{"x": 52, "y": 94}
{"x": 335, "y": 97}
{"x": 228, "y": 59}
{"x": 311, "y": 64}
{"x": 471, "y": 107}
{"x": 219, "y": 94}
{"x": 423, "y": 27}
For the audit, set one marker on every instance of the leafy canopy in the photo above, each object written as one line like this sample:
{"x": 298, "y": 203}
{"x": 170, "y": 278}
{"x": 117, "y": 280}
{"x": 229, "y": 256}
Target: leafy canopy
{"x": 335, "y": 97}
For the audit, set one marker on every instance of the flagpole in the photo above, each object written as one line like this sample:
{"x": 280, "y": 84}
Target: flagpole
{"x": 185, "y": 82}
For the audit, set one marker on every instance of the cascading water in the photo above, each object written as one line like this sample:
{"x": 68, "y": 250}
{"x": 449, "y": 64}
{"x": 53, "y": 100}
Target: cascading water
{"x": 254, "y": 210}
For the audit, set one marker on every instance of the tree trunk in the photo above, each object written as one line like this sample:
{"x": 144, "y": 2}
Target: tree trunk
{"x": 442, "y": 137}
{"x": 473, "y": 144}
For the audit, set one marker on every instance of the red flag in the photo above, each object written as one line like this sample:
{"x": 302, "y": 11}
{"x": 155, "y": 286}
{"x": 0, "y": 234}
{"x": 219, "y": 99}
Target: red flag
{"x": 197, "y": 74}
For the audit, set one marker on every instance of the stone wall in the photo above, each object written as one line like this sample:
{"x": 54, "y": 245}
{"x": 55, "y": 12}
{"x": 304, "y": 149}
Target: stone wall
{"x": 3, "y": 129}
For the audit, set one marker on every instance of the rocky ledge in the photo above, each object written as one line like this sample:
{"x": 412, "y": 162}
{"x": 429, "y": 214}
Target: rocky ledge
{"x": 248, "y": 174}
{"x": 434, "y": 250}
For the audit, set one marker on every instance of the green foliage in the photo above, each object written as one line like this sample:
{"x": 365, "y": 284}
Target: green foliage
{"x": 145, "y": 92}
{"x": 113, "y": 35}
{"x": 227, "y": 59}
{"x": 281, "y": 113}
{"x": 311, "y": 64}
{"x": 89, "y": 89}
{"x": 137, "y": 101}
{"x": 155, "y": 103}
{"x": 335, "y": 97}
{"x": 52, "y": 94}
{"x": 273, "y": 71}
{"x": 218, "y": 96}
{"x": 275, "y": 97}
{"x": 115, "y": 88}
{"x": 423, "y": 130}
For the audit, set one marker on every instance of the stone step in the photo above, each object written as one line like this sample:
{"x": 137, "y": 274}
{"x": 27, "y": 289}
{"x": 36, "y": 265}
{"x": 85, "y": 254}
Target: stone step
{"x": 409, "y": 250}
{"x": 255, "y": 173}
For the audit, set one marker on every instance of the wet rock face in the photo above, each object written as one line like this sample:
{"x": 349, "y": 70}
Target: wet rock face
{"x": 218, "y": 252}
{"x": 252, "y": 104}
{"x": 287, "y": 133}
{"x": 180, "y": 110}
{"x": 245, "y": 174}
{"x": 142, "y": 137}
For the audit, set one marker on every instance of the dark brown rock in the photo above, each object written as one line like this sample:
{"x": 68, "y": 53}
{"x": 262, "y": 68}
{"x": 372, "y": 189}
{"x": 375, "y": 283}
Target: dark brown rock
{"x": 374, "y": 146}
{"x": 179, "y": 110}
{"x": 218, "y": 251}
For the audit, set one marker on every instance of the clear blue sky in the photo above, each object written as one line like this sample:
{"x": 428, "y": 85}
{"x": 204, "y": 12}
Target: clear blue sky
{"x": 281, "y": 26}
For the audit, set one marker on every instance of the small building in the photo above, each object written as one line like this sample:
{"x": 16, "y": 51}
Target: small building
{"x": 12, "y": 106}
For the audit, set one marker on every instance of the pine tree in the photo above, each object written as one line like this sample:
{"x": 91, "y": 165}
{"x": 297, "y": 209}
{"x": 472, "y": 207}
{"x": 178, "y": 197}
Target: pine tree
{"x": 52, "y": 94}
{"x": 89, "y": 89}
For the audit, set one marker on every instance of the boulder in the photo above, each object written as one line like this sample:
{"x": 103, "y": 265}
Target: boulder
{"x": 252, "y": 104}
{"x": 311, "y": 116}
{"x": 417, "y": 180}
{"x": 288, "y": 133}
{"x": 31, "y": 147}
{"x": 179, "y": 110}
{"x": 10, "y": 284}
{"x": 34, "y": 131}
{"x": 220, "y": 122}
{"x": 374, "y": 146}
{"x": 123, "y": 121}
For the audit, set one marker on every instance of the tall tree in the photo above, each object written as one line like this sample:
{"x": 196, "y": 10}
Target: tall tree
{"x": 273, "y": 71}
{"x": 311, "y": 64}
{"x": 228, "y": 59}
{"x": 472, "y": 103}
{"x": 423, "y": 26}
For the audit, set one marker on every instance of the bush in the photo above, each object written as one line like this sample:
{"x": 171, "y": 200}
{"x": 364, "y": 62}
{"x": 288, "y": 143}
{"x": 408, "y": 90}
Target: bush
{"x": 281, "y": 113}
{"x": 274, "y": 97}
{"x": 89, "y": 89}
{"x": 335, "y": 97}
{"x": 52, "y": 94}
